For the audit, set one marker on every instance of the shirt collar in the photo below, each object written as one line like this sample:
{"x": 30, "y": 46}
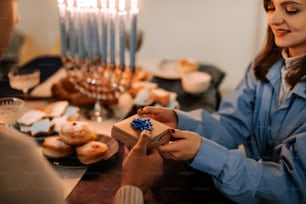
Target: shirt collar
{"x": 274, "y": 77}
{"x": 291, "y": 61}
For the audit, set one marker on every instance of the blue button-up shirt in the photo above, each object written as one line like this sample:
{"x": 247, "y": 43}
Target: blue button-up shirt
{"x": 273, "y": 134}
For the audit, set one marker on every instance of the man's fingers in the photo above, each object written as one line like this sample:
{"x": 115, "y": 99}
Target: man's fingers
{"x": 143, "y": 141}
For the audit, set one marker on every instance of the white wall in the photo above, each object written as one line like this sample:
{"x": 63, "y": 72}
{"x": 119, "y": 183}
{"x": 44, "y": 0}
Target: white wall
{"x": 39, "y": 19}
{"x": 225, "y": 33}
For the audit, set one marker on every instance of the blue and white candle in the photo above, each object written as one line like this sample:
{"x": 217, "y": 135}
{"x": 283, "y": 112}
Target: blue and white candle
{"x": 95, "y": 15}
{"x": 104, "y": 19}
{"x": 80, "y": 31}
{"x": 133, "y": 33}
{"x": 71, "y": 12}
{"x": 112, "y": 12}
{"x": 62, "y": 19}
{"x": 122, "y": 32}
{"x": 89, "y": 35}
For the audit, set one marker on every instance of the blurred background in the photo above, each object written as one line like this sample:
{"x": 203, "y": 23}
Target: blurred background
{"x": 227, "y": 33}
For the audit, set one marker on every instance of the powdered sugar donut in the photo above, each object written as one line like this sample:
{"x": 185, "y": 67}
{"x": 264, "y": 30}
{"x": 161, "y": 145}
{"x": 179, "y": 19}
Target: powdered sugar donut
{"x": 77, "y": 133}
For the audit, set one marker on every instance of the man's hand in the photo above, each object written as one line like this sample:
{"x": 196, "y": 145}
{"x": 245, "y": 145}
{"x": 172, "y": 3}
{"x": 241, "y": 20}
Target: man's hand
{"x": 142, "y": 168}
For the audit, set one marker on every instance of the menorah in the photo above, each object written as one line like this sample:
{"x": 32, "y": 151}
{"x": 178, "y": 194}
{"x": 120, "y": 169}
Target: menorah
{"x": 89, "y": 54}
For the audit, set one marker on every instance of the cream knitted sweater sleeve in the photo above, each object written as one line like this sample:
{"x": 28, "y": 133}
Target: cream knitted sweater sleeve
{"x": 25, "y": 175}
{"x": 128, "y": 195}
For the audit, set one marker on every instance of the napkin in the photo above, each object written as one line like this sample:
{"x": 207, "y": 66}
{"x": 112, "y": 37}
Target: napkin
{"x": 44, "y": 89}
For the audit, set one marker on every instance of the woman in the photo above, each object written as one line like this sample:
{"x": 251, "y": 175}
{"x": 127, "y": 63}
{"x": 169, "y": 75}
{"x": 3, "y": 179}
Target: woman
{"x": 266, "y": 113}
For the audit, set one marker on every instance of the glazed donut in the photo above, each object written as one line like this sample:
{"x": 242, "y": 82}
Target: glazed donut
{"x": 76, "y": 133}
{"x": 91, "y": 152}
{"x": 54, "y": 147}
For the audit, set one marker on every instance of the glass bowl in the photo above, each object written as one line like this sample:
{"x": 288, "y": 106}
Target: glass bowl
{"x": 24, "y": 80}
{"x": 11, "y": 109}
{"x": 196, "y": 82}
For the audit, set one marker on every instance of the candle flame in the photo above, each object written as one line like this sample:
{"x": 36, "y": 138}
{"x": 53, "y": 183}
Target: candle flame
{"x": 103, "y": 4}
{"x": 81, "y": 3}
{"x": 134, "y": 4}
{"x": 112, "y": 4}
{"x": 94, "y": 4}
{"x": 121, "y": 5}
{"x": 70, "y": 3}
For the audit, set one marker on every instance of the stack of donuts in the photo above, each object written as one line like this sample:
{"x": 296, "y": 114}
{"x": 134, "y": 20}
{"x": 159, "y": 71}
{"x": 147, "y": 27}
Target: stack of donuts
{"x": 75, "y": 137}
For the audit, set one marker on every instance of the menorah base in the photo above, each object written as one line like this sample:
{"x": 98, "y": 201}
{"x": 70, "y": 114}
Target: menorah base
{"x": 99, "y": 113}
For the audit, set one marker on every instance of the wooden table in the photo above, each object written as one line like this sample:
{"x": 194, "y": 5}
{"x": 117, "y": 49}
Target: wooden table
{"x": 179, "y": 183}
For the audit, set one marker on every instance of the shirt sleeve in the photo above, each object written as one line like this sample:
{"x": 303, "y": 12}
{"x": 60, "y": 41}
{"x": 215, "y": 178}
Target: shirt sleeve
{"x": 231, "y": 124}
{"x": 129, "y": 195}
{"x": 245, "y": 180}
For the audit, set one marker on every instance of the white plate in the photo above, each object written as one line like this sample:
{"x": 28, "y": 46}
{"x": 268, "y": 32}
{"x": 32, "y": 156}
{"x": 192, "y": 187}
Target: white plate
{"x": 167, "y": 70}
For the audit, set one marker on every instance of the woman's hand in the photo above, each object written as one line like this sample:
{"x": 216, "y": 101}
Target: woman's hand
{"x": 142, "y": 168}
{"x": 184, "y": 147}
{"x": 161, "y": 114}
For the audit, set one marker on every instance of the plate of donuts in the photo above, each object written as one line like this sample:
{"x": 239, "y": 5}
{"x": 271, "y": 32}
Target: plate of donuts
{"x": 95, "y": 152}
{"x": 78, "y": 145}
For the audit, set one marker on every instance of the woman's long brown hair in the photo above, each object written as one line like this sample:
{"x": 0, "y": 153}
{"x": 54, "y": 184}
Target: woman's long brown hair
{"x": 270, "y": 54}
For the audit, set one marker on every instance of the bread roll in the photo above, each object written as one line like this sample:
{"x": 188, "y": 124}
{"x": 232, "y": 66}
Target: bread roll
{"x": 187, "y": 65}
{"x": 54, "y": 147}
{"x": 91, "y": 152}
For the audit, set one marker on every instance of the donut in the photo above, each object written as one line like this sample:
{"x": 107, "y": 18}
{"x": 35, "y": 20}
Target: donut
{"x": 91, "y": 152}
{"x": 76, "y": 133}
{"x": 54, "y": 147}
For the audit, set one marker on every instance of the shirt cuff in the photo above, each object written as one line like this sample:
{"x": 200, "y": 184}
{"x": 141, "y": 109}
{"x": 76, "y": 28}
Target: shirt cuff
{"x": 210, "y": 158}
{"x": 184, "y": 120}
{"x": 129, "y": 194}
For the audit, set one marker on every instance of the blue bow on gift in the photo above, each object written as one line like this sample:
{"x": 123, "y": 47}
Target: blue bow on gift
{"x": 142, "y": 124}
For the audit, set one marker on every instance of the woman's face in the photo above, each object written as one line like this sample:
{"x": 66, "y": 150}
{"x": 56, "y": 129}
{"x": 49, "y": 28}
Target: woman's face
{"x": 287, "y": 19}
{"x": 8, "y": 19}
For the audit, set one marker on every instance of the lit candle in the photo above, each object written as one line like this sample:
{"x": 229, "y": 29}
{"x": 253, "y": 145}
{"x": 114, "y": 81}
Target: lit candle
{"x": 71, "y": 12}
{"x": 89, "y": 32}
{"x": 94, "y": 23}
{"x": 62, "y": 17}
{"x": 112, "y": 11}
{"x": 104, "y": 31}
{"x": 122, "y": 16}
{"x": 133, "y": 32}
{"x": 80, "y": 27}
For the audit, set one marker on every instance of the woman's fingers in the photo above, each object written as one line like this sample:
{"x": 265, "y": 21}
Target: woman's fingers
{"x": 148, "y": 110}
{"x": 184, "y": 147}
{"x": 172, "y": 146}
{"x": 178, "y": 134}
{"x": 167, "y": 155}
{"x": 154, "y": 112}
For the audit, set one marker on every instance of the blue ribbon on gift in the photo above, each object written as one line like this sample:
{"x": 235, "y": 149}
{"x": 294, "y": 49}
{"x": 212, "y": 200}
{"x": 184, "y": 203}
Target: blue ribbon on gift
{"x": 142, "y": 124}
